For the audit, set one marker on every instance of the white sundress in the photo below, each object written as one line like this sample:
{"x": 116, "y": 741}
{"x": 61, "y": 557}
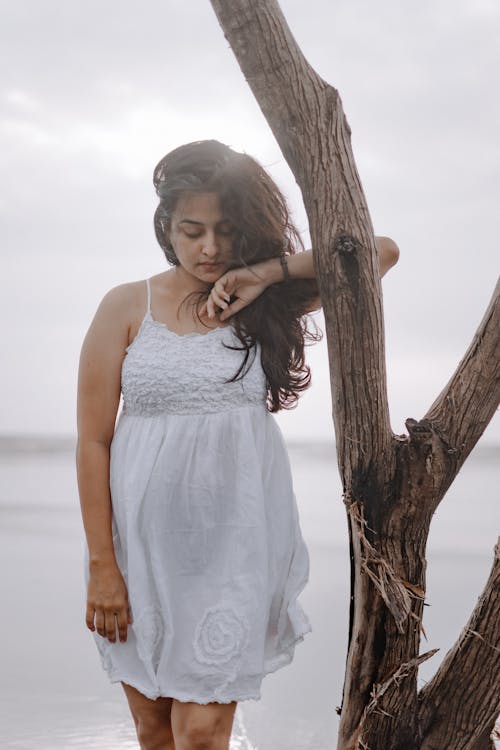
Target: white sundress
{"x": 205, "y": 522}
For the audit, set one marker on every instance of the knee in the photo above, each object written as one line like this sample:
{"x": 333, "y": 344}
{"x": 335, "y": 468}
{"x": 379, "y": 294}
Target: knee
{"x": 154, "y": 733}
{"x": 204, "y": 734}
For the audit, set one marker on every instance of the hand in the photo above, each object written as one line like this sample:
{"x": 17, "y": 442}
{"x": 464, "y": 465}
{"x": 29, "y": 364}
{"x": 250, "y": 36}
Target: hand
{"x": 245, "y": 284}
{"x": 107, "y": 598}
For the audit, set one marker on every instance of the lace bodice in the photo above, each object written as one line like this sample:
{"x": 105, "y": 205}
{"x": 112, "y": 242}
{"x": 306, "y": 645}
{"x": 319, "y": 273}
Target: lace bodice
{"x": 165, "y": 372}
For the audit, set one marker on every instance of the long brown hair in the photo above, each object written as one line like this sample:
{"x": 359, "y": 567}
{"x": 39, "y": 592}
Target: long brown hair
{"x": 255, "y": 206}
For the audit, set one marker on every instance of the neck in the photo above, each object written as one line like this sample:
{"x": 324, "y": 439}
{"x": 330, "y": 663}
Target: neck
{"x": 186, "y": 282}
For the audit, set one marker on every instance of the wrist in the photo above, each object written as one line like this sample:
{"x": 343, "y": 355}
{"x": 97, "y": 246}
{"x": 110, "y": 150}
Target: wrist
{"x": 284, "y": 267}
{"x": 99, "y": 561}
{"x": 270, "y": 270}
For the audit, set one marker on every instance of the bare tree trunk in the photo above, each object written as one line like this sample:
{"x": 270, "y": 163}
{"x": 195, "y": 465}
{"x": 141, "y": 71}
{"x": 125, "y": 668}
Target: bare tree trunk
{"x": 484, "y": 742}
{"x": 392, "y": 483}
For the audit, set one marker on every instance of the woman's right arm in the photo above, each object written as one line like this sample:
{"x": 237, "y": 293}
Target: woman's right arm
{"x": 247, "y": 283}
{"x": 98, "y": 398}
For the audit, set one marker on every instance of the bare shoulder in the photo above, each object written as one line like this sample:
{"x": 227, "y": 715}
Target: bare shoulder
{"x": 117, "y": 314}
{"x": 101, "y": 357}
{"x": 124, "y": 297}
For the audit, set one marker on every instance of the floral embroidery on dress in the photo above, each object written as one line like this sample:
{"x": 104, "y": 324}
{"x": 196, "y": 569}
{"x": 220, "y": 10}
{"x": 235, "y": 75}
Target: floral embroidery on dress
{"x": 220, "y": 635}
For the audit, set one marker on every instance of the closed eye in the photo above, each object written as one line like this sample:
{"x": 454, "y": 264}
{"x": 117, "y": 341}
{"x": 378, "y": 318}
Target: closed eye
{"x": 221, "y": 232}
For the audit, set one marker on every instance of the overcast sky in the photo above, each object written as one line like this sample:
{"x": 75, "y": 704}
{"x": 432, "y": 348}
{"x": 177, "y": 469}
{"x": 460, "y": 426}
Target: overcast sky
{"x": 93, "y": 94}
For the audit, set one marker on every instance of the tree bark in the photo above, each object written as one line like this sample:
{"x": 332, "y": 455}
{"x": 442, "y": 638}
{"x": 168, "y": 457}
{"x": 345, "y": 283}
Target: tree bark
{"x": 466, "y": 405}
{"x": 465, "y": 691}
{"x": 391, "y": 483}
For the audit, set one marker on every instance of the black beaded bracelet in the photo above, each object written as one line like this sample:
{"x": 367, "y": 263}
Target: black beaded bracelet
{"x": 284, "y": 266}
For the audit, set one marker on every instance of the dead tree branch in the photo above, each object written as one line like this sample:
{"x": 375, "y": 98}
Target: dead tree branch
{"x": 469, "y": 400}
{"x": 462, "y": 701}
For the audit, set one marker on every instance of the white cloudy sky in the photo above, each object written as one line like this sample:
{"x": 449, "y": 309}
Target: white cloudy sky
{"x": 92, "y": 94}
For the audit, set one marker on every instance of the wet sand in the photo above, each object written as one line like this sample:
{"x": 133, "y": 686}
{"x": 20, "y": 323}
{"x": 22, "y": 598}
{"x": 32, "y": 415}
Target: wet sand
{"x": 53, "y": 691}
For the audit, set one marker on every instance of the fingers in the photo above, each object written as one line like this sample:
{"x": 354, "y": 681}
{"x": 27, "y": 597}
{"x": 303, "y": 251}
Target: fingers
{"x": 122, "y": 623}
{"x": 220, "y": 299}
{"x": 108, "y": 620}
{"x": 235, "y": 307}
{"x": 89, "y": 617}
{"x": 110, "y": 626}
{"x": 108, "y": 602}
{"x": 99, "y": 621}
{"x": 210, "y": 307}
{"x": 233, "y": 283}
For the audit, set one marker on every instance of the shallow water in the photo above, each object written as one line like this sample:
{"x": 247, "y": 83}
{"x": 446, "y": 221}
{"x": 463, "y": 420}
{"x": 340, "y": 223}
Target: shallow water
{"x": 114, "y": 731}
{"x": 53, "y": 693}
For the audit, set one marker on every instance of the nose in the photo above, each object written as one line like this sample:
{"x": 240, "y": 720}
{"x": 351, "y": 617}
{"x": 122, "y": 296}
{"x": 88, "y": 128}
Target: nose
{"x": 210, "y": 245}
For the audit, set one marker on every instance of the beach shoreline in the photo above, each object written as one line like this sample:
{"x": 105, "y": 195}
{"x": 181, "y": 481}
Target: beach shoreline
{"x": 55, "y": 693}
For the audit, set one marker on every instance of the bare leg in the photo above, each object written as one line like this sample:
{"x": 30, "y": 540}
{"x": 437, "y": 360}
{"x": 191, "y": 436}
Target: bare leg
{"x": 202, "y": 727}
{"x": 151, "y": 719}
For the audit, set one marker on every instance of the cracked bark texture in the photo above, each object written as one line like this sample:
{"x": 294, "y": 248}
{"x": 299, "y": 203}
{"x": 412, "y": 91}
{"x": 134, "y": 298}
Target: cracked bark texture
{"x": 392, "y": 484}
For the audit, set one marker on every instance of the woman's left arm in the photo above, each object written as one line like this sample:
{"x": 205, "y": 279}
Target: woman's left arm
{"x": 245, "y": 285}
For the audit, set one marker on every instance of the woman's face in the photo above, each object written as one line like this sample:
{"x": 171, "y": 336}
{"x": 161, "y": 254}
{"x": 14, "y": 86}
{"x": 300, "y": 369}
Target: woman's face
{"x": 201, "y": 237}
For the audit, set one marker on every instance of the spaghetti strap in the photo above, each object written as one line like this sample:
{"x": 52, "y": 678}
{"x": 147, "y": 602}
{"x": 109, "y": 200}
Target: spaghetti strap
{"x": 148, "y": 307}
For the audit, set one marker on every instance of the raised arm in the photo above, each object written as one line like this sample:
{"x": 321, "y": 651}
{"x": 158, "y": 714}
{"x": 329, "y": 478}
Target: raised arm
{"x": 301, "y": 263}
{"x": 247, "y": 283}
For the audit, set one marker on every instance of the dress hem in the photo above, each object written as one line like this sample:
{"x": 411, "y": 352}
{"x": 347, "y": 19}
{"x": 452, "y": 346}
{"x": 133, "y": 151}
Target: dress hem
{"x": 280, "y": 660}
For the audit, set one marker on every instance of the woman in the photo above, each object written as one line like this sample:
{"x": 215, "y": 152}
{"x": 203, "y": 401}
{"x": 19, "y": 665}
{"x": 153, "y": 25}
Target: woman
{"x": 194, "y": 555}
